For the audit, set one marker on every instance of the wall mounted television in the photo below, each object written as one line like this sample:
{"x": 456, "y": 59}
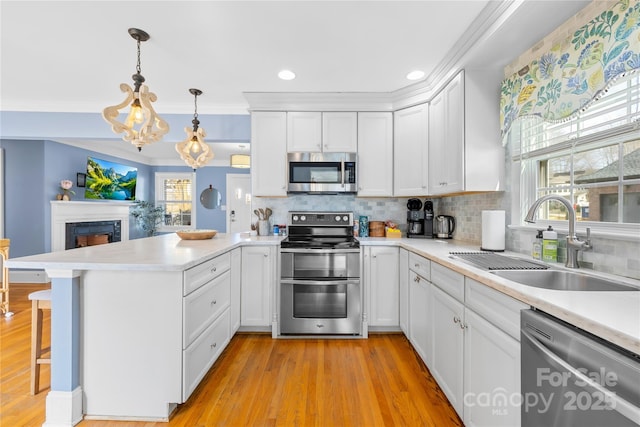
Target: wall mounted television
{"x": 110, "y": 181}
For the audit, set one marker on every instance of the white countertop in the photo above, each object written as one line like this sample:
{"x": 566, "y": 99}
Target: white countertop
{"x": 165, "y": 252}
{"x": 613, "y": 316}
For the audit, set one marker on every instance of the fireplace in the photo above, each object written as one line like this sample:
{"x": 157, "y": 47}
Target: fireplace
{"x": 90, "y": 233}
{"x": 93, "y": 216}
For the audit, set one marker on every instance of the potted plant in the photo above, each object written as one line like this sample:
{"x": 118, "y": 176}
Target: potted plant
{"x": 147, "y": 215}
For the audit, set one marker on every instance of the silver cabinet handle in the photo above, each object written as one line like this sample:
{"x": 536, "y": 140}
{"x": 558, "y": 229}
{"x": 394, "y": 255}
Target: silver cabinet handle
{"x": 456, "y": 319}
{"x": 213, "y": 270}
{"x": 214, "y": 302}
{"x": 212, "y": 346}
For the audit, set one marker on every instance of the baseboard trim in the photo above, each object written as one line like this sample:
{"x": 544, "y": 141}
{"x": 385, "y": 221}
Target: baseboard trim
{"x": 64, "y": 408}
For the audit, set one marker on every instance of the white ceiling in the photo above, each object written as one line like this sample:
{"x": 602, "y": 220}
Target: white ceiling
{"x": 71, "y": 56}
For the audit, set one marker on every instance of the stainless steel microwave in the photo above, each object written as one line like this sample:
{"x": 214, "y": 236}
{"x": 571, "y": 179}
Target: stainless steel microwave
{"x": 321, "y": 173}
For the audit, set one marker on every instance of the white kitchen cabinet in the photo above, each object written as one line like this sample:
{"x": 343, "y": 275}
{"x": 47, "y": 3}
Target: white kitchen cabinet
{"x": 403, "y": 276}
{"x": 236, "y": 281}
{"x": 304, "y": 131}
{"x": 258, "y": 280}
{"x": 447, "y": 333}
{"x": 329, "y": 132}
{"x": 410, "y": 151}
{"x": 465, "y": 149}
{"x": 269, "y": 153}
{"x": 375, "y": 154}
{"x": 420, "y": 316}
{"x": 446, "y": 138}
{"x": 381, "y": 280}
{"x": 491, "y": 374}
{"x": 492, "y": 356}
{"x": 340, "y": 132}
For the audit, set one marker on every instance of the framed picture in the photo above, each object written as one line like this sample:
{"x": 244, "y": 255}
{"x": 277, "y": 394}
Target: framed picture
{"x": 81, "y": 179}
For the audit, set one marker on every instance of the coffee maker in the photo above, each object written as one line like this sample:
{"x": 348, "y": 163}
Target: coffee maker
{"x": 428, "y": 219}
{"x": 415, "y": 218}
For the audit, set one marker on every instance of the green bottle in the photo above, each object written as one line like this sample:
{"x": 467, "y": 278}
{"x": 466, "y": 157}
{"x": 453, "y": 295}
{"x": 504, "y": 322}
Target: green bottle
{"x": 549, "y": 245}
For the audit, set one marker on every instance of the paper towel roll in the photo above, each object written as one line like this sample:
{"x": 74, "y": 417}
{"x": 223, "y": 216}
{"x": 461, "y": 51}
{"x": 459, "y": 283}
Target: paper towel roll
{"x": 493, "y": 230}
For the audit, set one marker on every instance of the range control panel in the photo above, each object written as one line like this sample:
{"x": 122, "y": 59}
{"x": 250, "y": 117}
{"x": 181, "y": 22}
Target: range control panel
{"x": 321, "y": 218}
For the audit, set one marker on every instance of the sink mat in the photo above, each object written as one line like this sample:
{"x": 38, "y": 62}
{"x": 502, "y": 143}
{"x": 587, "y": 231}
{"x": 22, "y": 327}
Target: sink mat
{"x": 493, "y": 261}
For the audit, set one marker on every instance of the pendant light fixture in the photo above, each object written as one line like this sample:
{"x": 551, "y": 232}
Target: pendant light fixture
{"x": 193, "y": 150}
{"x": 142, "y": 125}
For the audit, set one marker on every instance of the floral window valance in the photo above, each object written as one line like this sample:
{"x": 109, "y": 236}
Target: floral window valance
{"x": 560, "y": 84}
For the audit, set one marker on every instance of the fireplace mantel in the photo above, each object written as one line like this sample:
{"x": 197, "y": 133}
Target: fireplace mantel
{"x": 63, "y": 212}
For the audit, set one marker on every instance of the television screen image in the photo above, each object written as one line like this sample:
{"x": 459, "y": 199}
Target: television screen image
{"x": 110, "y": 181}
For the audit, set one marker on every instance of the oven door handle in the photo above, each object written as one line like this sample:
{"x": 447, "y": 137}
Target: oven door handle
{"x": 319, "y": 251}
{"x": 305, "y": 282}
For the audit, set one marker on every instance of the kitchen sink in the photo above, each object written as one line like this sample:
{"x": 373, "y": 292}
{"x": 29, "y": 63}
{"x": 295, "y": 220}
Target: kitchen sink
{"x": 562, "y": 280}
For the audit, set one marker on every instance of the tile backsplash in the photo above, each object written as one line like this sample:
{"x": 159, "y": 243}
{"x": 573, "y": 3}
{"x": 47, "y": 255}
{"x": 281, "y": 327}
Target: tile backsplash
{"x": 612, "y": 256}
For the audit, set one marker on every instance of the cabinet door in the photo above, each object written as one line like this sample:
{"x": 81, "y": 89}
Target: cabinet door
{"x": 491, "y": 368}
{"x": 384, "y": 292}
{"x": 410, "y": 151}
{"x": 304, "y": 131}
{"x": 269, "y": 153}
{"x": 447, "y": 322}
{"x": 403, "y": 272}
{"x": 340, "y": 132}
{"x": 375, "y": 154}
{"x": 420, "y": 316}
{"x": 258, "y": 268}
{"x": 446, "y": 139}
{"x": 236, "y": 280}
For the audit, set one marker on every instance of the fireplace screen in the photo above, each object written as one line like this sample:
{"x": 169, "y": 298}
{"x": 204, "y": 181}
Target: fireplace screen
{"x": 90, "y": 233}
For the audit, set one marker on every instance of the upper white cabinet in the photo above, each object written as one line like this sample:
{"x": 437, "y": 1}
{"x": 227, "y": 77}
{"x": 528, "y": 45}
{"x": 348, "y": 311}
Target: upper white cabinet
{"x": 446, "y": 139}
{"x": 304, "y": 131}
{"x": 269, "y": 153}
{"x": 410, "y": 151}
{"x": 310, "y": 131}
{"x": 465, "y": 149}
{"x": 340, "y": 132}
{"x": 375, "y": 154}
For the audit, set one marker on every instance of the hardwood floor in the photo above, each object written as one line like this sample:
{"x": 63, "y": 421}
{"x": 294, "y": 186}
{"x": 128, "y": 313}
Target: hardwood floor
{"x": 259, "y": 381}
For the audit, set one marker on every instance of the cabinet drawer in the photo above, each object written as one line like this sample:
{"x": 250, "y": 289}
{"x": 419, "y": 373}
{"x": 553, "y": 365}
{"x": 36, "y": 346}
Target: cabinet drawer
{"x": 498, "y": 308}
{"x": 203, "y": 305}
{"x": 420, "y": 265}
{"x": 448, "y": 280}
{"x": 200, "y": 355}
{"x": 203, "y": 273}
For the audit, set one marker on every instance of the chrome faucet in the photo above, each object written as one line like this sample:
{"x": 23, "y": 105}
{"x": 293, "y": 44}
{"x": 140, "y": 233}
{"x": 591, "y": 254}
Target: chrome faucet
{"x": 574, "y": 245}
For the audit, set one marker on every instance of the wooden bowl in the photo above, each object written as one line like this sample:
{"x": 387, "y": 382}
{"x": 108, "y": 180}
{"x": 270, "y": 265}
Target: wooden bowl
{"x": 196, "y": 234}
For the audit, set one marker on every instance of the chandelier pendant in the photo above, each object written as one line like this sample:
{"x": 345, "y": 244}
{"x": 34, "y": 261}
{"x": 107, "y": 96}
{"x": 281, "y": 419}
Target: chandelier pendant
{"x": 142, "y": 125}
{"x": 194, "y": 150}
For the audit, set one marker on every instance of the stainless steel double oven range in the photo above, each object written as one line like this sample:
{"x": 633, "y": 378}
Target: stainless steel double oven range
{"x": 320, "y": 290}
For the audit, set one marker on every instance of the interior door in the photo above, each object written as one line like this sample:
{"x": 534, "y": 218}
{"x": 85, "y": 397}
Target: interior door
{"x": 238, "y": 203}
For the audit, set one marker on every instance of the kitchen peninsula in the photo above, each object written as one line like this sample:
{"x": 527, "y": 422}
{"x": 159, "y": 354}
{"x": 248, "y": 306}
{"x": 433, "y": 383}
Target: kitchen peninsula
{"x": 137, "y": 324}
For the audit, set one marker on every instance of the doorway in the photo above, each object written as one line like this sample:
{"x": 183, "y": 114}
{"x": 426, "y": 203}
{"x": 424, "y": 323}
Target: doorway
{"x": 238, "y": 203}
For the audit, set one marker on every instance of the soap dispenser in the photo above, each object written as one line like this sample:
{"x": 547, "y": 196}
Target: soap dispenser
{"x": 549, "y": 245}
{"x": 536, "y": 251}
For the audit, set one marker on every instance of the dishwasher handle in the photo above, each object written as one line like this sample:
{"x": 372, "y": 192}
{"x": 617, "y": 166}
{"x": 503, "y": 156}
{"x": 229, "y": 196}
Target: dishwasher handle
{"x": 619, "y": 404}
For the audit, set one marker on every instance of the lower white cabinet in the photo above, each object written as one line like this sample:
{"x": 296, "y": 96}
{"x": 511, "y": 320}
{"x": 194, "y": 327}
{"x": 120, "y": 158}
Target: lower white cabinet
{"x": 447, "y": 330}
{"x": 382, "y": 282}
{"x": 491, "y": 375}
{"x": 419, "y": 315}
{"x": 236, "y": 280}
{"x": 468, "y": 336}
{"x": 403, "y": 275}
{"x": 258, "y": 278}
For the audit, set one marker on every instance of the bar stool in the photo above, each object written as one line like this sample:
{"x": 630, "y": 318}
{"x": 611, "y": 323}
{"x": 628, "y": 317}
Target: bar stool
{"x": 40, "y": 300}
{"x": 4, "y": 290}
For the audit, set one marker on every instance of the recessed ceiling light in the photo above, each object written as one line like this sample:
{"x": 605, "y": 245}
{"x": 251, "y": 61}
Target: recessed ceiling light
{"x": 287, "y": 75}
{"x": 415, "y": 75}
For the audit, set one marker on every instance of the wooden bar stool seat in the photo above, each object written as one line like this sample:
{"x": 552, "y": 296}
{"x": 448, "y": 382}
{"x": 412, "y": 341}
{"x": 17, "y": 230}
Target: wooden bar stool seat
{"x": 40, "y": 300}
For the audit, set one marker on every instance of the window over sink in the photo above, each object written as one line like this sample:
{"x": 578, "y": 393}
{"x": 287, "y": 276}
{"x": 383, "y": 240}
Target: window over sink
{"x": 592, "y": 160}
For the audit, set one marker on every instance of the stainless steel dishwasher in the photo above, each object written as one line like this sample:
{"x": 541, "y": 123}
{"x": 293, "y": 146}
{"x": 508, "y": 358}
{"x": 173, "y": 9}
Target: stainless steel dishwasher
{"x": 572, "y": 378}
